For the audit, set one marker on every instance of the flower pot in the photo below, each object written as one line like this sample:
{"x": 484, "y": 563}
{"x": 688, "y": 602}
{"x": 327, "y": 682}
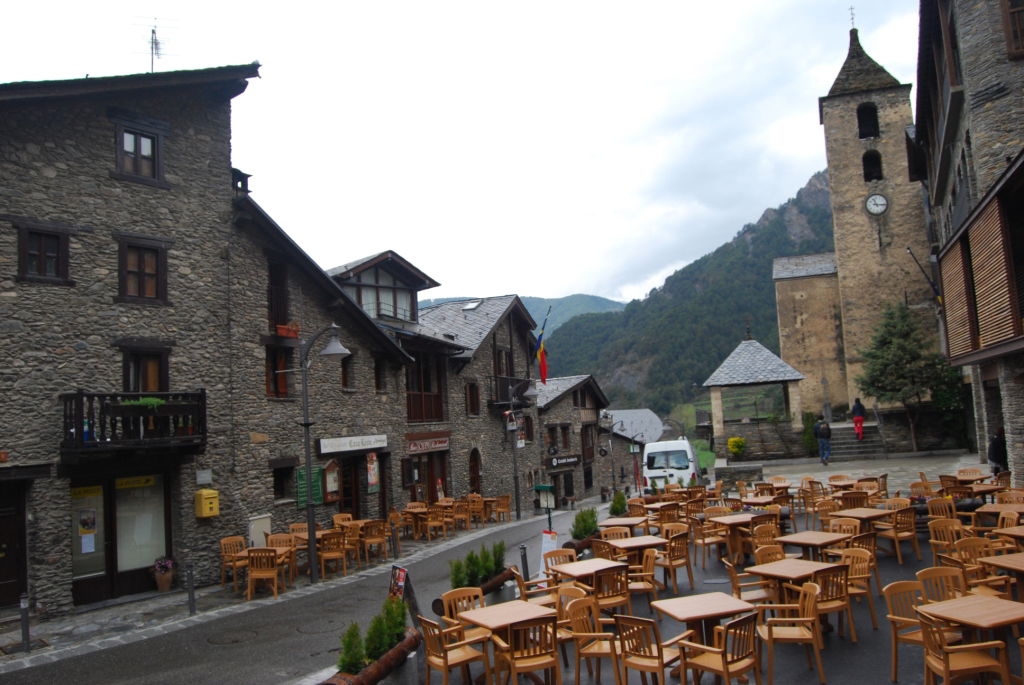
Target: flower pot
{"x": 164, "y": 581}
{"x": 286, "y": 331}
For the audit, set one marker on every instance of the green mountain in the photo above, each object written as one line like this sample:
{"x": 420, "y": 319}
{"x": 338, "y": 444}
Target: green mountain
{"x": 658, "y": 351}
{"x": 562, "y": 308}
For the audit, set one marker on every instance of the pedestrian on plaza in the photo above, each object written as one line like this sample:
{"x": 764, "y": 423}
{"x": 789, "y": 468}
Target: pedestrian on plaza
{"x": 823, "y": 432}
{"x": 997, "y": 452}
{"x": 858, "y": 412}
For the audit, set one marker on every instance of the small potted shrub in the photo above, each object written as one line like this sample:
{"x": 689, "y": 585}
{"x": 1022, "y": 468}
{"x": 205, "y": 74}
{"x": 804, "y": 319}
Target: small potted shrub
{"x": 618, "y": 505}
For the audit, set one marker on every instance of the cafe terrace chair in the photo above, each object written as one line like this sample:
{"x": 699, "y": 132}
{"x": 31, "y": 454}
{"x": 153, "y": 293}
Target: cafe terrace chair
{"x": 748, "y": 587}
{"x": 555, "y": 557}
{"x": 904, "y": 528}
{"x": 435, "y": 519}
{"x": 460, "y": 515}
{"x": 942, "y": 533}
{"x": 503, "y": 508}
{"x": 766, "y": 554}
{"x": 968, "y": 551}
{"x": 611, "y": 590}
{"x": 843, "y": 525}
{"x": 733, "y": 652}
{"x": 858, "y": 579}
{"x": 676, "y": 556}
{"x": 615, "y": 533}
{"x": 1002, "y": 478}
{"x": 939, "y": 583}
{"x": 1007, "y": 519}
{"x": 332, "y": 549}
{"x": 852, "y": 499}
{"x": 883, "y": 486}
{"x": 567, "y": 592}
{"x": 603, "y": 549}
{"x": 670, "y": 529}
{"x": 948, "y": 482}
{"x": 969, "y": 472}
{"x": 591, "y": 641}
{"x": 447, "y": 648}
{"x": 353, "y": 542}
{"x": 834, "y": 597}
{"x": 338, "y": 519}
{"x": 476, "y": 509}
{"x": 764, "y": 490}
{"x": 824, "y": 509}
{"x": 540, "y": 591}
{"x": 262, "y": 569}
{"x": 230, "y": 562}
{"x": 953, "y": 663}
{"x": 374, "y": 537}
{"x": 741, "y": 489}
{"x": 459, "y": 600}
{"x": 635, "y": 507}
{"x": 530, "y": 648}
{"x": 666, "y": 515}
{"x": 764, "y": 535}
{"x": 793, "y": 624}
{"x": 901, "y": 599}
{"x": 942, "y": 508}
{"x": 290, "y": 566}
{"x": 1010, "y": 497}
{"x": 641, "y": 578}
{"x": 642, "y": 649}
{"x": 705, "y": 536}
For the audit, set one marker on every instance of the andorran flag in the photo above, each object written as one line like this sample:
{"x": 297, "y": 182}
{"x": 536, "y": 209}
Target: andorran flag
{"x": 542, "y": 357}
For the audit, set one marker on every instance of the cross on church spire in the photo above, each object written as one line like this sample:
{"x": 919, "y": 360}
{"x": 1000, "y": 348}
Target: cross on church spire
{"x": 853, "y": 24}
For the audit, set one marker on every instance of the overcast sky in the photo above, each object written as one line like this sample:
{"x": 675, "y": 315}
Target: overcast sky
{"x": 538, "y": 148}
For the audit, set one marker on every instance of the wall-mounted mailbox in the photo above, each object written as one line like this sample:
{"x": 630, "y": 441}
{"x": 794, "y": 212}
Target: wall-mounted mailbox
{"x": 207, "y": 503}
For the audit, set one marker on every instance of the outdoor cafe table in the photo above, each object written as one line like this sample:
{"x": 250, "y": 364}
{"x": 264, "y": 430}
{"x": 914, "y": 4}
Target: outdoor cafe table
{"x": 995, "y": 508}
{"x": 967, "y": 480}
{"x": 841, "y": 484}
{"x": 788, "y": 571}
{"x": 863, "y": 514}
{"x": 980, "y": 612}
{"x": 702, "y": 612}
{"x": 733, "y": 523}
{"x": 758, "y": 500}
{"x": 983, "y": 489}
{"x": 635, "y": 545}
{"x": 630, "y": 522}
{"x": 585, "y": 569}
{"x": 498, "y": 617}
{"x": 812, "y": 541}
{"x": 419, "y": 517}
{"x": 654, "y": 506}
{"x": 284, "y": 556}
{"x": 1014, "y": 563}
{"x": 1015, "y": 532}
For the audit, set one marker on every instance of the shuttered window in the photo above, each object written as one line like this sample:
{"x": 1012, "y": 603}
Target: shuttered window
{"x": 961, "y": 328}
{"x": 993, "y": 292}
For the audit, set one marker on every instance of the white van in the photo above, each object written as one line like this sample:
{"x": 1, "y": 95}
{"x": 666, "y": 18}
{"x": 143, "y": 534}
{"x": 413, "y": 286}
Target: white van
{"x": 672, "y": 461}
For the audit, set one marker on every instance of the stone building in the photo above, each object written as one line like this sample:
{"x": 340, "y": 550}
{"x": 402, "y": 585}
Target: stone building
{"x": 469, "y": 382}
{"x": 966, "y": 149}
{"x": 624, "y": 432}
{"x": 829, "y": 305}
{"x": 148, "y": 306}
{"x": 568, "y": 410}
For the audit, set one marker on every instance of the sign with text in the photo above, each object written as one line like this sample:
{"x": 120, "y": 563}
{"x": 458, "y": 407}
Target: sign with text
{"x": 428, "y": 445}
{"x": 301, "y": 491}
{"x": 353, "y": 443}
{"x": 557, "y": 462}
{"x": 397, "y": 587}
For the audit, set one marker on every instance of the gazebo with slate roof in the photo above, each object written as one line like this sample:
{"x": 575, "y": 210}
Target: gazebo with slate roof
{"x": 751, "y": 363}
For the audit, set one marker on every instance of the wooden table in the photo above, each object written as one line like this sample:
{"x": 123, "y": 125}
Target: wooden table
{"x": 812, "y": 541}
{"x": 863, "y": 514}
{"x": 1015, "y": 532}
{"x": 630, "y": 522}
{"x": 654, "y": 506}
{"x": 781, "y": 486}
{"x": 637, "y": 544}
{"x": 733, "y": 523}
{"x": 701, "y": 613}
{"x": 788, "y": 570}
{"x": 498, "y": 617}
{"x": 983, "y": 489}
{"x": 1014, "y": 563}
{"x": 841, "y": 484}
{"x": 758, "y": 500}
{"x": 980, "y": 612}
{"x": 284, "y": 556}
{"x": 586, "y": 568}
{"x": 967, "y": 480}
{"x": 996, "y": 509}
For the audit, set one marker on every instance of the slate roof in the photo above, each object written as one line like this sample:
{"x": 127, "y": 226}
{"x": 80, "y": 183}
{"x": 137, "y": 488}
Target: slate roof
{"x": 752, "y": 363}
{"x": 414, "y": 277}
{"x": 641, "y": 425}
{"x": 804, "y": 265}
{"x": 548, "y": 394}
{"x": 860, "y": 72}
{"x": 467, "y": 323}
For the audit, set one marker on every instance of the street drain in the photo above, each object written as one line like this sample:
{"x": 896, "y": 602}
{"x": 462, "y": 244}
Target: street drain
{"x": 232, "y": 637}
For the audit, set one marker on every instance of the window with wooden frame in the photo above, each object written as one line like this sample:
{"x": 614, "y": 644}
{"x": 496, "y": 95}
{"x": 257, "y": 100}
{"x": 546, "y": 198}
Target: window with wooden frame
{"x": 43, "y": 255}
{"x": 1013, "y": 23}
{"x": 277, "y": 365}
{"x": 472, "y": 399}
{"x": 346, "y": 373}
{"x": 139, "y": 147}
{"x": 565, "y": 437}
{"x": 380, "y": 375}
{"x": 143, "y": 270}
{"x": 552, "y": 436}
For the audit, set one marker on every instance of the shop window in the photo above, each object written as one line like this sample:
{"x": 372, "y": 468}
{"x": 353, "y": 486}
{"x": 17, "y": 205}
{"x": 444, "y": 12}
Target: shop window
{"x": 872, "y": 166}
{"x": 43, "y": 256}
{"x": 277, "y": 365}
{"x": 472, "y": 399}
{"x": 867, "y": 120}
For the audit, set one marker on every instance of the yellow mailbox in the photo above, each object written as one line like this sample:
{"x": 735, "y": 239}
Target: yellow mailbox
{"x": 207, "y": 503}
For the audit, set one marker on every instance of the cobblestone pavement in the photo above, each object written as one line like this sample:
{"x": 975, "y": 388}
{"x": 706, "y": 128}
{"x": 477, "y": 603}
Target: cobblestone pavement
{"x": 143, "y": 616}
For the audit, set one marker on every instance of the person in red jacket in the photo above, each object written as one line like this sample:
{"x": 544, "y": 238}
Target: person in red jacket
{"x": 858, "y": 412}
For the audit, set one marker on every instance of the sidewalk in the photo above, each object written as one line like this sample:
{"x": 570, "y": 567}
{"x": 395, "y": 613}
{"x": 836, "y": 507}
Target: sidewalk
{"x": 143, "y": 616}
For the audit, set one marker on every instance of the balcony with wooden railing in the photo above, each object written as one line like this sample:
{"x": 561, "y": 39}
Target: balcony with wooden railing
{"x": 98, "y": 425}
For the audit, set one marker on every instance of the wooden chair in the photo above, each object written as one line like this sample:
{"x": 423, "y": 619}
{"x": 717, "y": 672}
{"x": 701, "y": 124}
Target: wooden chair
{"x": 375, "y": 538}
{"x": 824, "y": 509}
{"x": 642, "y": 649}
{"x": 901, "y": 598}
{"x": 262, "y": 569}
{"x": 851, "y": 499}
{"x": 845, "y": 526}
{"x": 942, "y": 533}
{"x": 969, "y": 472}
{"x": 1007, "y": 519}
{"x": 338, "y": 519}
{"x": 748, "y": 587}
{"x": 1010, "y": 497}
{"x": 953, "y": 663}
{"x": 948, "y": 482}
{"x": 670, "y": 529}
{"x": 705, "y": 536}
{"x": 635, "y": 507}
{"x": 793, "y": 623}
{"x": 230, "y": 562}
{"x": 766, "y": 554}
{"x": 567, "y": 592}
{"x": 353, "y": 542}
{"x": 641, "y": 578}
{"x": 883, "y": 486}
{"x": 919, "y": 489}
{"x": 835, "y": 596}
{"x": 741, "y": 489}
{"x": 904, "y": 527}
{"x": 332, "y": 549}
{"x": 858, "y": 579}
{"x": 476, "y": 509}
{"x": 290, "y": 567}
{"x": 764, "y": 535}
{"x": 448, "y": 648}
{"x": 460, "y": 515}
{"x": 615, "y": 533}
{"x": 764, "y": 489}
{"x": 503, "y": 508}
{"x": 555, "y": 557}
{"x": 675, "y": 557}
{"x": 602, "y": 549}
{"x": 592, "y": 643}
{"x": 463, "y": 599}
{"x": 540, "y": 592}
{"x": 942, "y": 508}
{"x": 667, "y": 515}
{"x": 939, "y": 583}
{"x": 968, "y": 551}
{"x": 611, "y": 590}
{"x": 435, "y": 519}
{"x": 733, "y": 652}
{"x": 531, "y": 647}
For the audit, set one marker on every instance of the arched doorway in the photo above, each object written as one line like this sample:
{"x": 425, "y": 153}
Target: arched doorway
{"x": 475, "y": 476}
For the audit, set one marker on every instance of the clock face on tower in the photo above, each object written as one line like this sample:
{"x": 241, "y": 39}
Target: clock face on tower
{"x": 876, "y": 204}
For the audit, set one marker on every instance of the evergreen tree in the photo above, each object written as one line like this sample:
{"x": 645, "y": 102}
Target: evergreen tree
{"x": 899, "y": 367}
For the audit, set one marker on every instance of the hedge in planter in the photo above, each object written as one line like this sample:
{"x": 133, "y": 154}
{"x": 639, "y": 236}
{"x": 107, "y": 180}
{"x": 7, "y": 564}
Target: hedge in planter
{"x": 388, "y": 643}
{"x": 618, "y": 505}
{"x": 477, "y": 569}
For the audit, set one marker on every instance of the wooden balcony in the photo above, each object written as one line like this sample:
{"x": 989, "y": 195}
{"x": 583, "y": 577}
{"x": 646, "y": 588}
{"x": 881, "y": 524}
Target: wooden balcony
{"x": 99, "y": 425}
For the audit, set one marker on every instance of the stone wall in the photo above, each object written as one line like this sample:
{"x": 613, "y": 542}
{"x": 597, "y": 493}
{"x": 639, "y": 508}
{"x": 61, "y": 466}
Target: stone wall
{"x": 765, "y": 440}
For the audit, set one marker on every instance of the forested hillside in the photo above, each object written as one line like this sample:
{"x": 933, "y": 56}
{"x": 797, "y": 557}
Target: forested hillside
{"x": 653, "y": 352}
{"x": 562, "y": 308}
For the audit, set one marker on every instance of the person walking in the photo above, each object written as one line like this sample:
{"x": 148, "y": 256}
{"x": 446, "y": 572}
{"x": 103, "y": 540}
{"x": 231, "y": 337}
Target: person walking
{"x": 823, "y": 432}
{"x": 997, "y": 452}
{"x": 858, "y": 412}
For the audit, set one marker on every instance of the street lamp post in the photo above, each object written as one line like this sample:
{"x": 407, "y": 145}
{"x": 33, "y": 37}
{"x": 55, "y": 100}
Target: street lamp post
{"x": 334, "y": 348}
{"x": 529, "y": 394}
{"x": 608, "y": 422}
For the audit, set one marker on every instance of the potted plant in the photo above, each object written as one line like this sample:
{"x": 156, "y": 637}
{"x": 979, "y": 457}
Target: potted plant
{"x": 163, "y": 573}
{"x": 387, "y": 645}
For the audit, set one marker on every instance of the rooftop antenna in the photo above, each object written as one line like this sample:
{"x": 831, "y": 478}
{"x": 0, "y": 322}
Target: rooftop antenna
{"x": 154, "y": 48}
{"x": 853, "y": 24}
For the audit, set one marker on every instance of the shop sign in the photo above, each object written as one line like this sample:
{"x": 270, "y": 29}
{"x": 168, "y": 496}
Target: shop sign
{"x": 556, "y": 462}
{"x": 353, "y": 443}
{"x": 372, "y": 473}
{"x": 136, "y": 482}
{"x": 429, "y": 445}
{"x": 89, "y": 491}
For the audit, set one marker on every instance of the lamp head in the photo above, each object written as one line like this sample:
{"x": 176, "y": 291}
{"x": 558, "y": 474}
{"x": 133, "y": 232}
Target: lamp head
{"x": 530, "y": 393}
{"x": 334, "y": 348}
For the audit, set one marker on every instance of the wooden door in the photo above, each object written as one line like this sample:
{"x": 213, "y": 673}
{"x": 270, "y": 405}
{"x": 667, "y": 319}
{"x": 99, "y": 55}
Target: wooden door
{"x": 12, "y": 543}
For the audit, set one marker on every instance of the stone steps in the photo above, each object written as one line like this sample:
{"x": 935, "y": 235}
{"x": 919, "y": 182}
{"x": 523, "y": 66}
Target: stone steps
{"x": 846, "y": 446}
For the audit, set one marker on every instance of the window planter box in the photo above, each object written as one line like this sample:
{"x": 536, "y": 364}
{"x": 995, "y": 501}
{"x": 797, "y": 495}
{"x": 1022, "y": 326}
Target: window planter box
{"x": 287, "y": 331}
